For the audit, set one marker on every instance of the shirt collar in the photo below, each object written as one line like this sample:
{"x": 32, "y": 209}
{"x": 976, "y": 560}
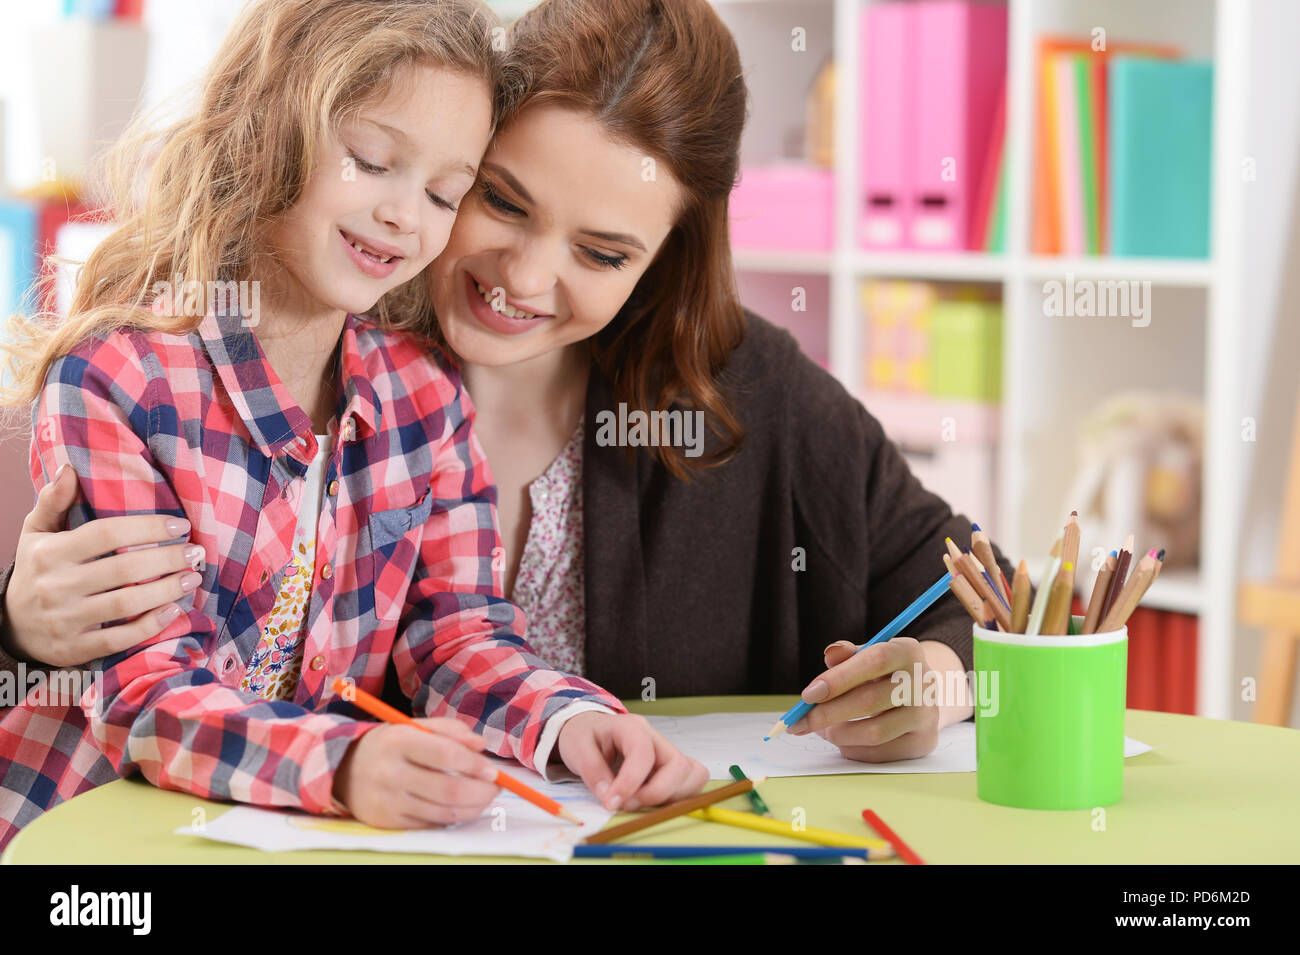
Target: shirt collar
{"x": 274, "y": 420}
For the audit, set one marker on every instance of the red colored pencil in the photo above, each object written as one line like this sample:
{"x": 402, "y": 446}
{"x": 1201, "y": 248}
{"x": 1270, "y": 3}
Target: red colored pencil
{"x": 381, "y": 710}
{"x": 902, "y": 848}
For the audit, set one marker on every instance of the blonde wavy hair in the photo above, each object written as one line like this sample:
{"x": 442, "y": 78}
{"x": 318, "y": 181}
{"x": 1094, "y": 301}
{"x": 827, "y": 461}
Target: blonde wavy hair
{"x": 194, "y": 198}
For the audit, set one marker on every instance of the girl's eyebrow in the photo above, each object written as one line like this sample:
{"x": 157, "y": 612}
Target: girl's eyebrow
{"x": 621, "y": 237}
{"x": 458, "y": 165}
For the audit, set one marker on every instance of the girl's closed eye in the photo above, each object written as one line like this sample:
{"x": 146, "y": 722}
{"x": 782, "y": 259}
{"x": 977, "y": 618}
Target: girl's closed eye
{"x": 374, "y": 169}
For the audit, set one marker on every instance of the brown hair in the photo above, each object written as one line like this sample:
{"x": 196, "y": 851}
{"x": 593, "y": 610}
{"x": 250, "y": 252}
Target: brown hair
{"x": 286, "y": 73}
{"x": 662, "y": 76}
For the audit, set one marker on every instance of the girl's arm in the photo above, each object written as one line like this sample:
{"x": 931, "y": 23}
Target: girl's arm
{"x": 160, "y": 710}
{"x": 461, "y": 649}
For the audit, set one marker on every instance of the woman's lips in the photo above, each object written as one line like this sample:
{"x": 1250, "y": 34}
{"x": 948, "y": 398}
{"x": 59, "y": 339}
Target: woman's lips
{"x": 370, "y": 266}
{"x": 493, "y": 319}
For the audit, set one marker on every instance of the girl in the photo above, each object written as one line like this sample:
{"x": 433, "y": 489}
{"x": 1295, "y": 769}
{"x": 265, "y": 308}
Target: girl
{"x": 339, "y": 504}
{"x": 755, "y": 575}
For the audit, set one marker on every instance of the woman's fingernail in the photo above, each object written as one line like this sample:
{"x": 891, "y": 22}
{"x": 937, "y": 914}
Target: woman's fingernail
{"x": 816, "y": 692}
{"x": 195, "y": 556}
{"x": 168, "y": 614}
{"x": 176, "y": 526}
{"x": 189, "y": 582}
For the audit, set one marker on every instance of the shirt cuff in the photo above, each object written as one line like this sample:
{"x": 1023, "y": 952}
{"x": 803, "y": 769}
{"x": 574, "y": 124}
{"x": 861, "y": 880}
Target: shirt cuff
{"x": 560, "y": 773}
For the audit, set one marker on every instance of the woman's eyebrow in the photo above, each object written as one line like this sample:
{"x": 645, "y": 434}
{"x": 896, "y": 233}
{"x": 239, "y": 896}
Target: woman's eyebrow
{"x": 624, "y": 238}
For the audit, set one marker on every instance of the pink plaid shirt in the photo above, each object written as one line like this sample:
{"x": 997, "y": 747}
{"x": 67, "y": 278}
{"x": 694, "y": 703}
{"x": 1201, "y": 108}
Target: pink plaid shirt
{"x": 199, "y": 426}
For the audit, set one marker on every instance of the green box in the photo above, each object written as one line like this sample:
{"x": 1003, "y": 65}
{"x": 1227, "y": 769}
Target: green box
{"x": 966, "y": 351}
{"x": 1053, "y": 734}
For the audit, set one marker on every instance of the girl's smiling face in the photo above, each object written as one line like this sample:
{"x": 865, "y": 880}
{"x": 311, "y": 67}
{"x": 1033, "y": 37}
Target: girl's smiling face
{"x": 551, "y": 242}
{"x": 381, "y": 202}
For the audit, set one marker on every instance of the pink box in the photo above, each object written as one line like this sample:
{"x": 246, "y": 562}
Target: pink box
{"x": 784, "y": 206}
{"x": 958, "y": 68}
{"x": 887, "y": 131}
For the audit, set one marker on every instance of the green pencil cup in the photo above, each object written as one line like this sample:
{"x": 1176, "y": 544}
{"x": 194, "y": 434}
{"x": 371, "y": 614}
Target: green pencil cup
{"x": 1049, "y": 719}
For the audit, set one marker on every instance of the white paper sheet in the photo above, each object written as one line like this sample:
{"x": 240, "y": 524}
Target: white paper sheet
{"x": 509, "y": 827}
{"x": 719, "y": 740}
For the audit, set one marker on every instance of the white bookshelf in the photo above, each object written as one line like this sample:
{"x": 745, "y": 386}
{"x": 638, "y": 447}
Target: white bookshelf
{"x": 1191, "y": 345}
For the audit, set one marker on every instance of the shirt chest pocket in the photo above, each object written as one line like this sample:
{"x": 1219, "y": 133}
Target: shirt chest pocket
{"x": 395, "y": 537}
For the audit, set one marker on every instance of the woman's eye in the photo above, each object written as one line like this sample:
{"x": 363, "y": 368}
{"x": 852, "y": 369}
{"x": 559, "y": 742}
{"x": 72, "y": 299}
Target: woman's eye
{"x": 491, "y": 198}
{"x": 607, "y": 261}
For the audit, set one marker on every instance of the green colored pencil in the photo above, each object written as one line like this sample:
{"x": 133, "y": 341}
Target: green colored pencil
{"x": 755, "y": 799}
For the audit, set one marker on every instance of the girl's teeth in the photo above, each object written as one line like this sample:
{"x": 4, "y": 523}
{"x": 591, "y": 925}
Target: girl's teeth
{"x": 507, "y": 310}
{"x": 370, "y": 255}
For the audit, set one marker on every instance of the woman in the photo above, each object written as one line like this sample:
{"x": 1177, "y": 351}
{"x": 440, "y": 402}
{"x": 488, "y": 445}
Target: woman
{"x": 589, "y": 275}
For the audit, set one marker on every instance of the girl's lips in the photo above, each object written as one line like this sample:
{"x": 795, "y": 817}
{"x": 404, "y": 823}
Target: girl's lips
{"x": 376, "y": 270}
{"x": 493, "y": 319}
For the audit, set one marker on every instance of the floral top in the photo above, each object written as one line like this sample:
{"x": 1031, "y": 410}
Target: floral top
{"x": 549, "y": 585}
{"x": 276, "y": 664}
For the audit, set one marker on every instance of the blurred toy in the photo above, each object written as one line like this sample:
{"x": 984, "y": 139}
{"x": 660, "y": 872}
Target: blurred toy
{"x": 1141, "y": 475}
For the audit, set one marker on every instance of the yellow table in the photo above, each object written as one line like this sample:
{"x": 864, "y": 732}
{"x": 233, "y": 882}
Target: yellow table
{"x": 1211, "y": 791}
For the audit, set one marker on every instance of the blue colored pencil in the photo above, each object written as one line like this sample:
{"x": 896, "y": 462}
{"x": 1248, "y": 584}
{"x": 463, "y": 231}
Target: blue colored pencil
{"x": 617, "y": 851}
{"x": 891, "y": 630}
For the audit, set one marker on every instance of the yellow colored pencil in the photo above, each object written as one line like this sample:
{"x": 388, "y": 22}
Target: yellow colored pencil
{"x": 776, "y": 827}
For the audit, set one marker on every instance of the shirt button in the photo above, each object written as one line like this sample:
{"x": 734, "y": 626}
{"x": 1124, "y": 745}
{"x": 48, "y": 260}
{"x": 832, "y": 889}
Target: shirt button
{"x": 334, "y": 488}
{"x": 326, "y": 572}
{"x": 318, "y": 662}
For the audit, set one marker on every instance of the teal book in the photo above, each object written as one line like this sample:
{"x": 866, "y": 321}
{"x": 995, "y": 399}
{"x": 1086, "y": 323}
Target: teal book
{"x": 1159, "y": 130}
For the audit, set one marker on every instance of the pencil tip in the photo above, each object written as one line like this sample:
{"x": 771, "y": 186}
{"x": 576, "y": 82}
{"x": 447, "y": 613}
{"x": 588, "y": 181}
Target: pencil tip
{"x": 1161, "y": 555}
{"x": 1074, "y": 513}
{"x": 974, "y": 526}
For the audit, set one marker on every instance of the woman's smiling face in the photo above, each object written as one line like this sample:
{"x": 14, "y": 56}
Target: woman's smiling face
{"x": 552, "y": 239}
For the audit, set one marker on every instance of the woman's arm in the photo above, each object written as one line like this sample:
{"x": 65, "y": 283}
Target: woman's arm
{"x": 57, "y": 596}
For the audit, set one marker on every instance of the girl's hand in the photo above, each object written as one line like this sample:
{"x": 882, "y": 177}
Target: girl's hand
{"x": 626, "y": 763}
{"x": 399, "y": 777}
{"x": 59, "y": 593}
{"x": 856, "y": 685}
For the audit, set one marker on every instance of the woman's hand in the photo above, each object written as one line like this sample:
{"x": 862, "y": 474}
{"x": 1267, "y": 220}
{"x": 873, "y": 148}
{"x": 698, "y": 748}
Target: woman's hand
{"x": 59, "y": 592}
{"x": 399, "y": 777}
{"x": 857, "y": 685}
{"x": 626, "y": 763}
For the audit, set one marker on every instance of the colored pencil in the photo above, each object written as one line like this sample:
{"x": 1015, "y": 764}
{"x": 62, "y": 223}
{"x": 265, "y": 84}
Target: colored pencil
{"x": 979, "y": 580}
{"x": 381, "y": 710}
{"x": 1057, "y": 616}
{"x": 879, "y": 848}
{"x": 758, "y": 858}
{"x": 1021, "y": 593}
{"x": 987, "y": 619}
{"x": 1099, "y": 588}
{"x": 1121, "y": 575}
{"x": 979, "y": 543}
{"x": 1056, "y": 547}
{"x": 990, "y": 579}
{"x": 904, "y": 851}
{"x": 755, "y": 800}
{"x": 964, "y": 592}
{"x": 1070, "y": 547}
{"x": 1040, "y": 599}
{"x": 671, "y": 811}
{"x": 623, "y": 851}
{"x": 1128, "y": 599}
{"x": 888, "y": 632}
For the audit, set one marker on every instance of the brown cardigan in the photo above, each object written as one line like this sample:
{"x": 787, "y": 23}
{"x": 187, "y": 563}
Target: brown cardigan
{"x": 694, "y": 585}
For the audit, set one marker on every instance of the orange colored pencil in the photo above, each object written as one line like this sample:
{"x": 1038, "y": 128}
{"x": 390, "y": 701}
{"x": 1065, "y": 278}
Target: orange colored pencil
{"x": 381, "y": 710}
{"x": 902, "y": 848}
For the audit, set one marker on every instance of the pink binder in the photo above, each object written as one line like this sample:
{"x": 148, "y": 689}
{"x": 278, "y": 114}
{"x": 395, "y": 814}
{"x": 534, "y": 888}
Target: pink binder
{"x": 887, "y": 126}
{"x": 957, "y": 63}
